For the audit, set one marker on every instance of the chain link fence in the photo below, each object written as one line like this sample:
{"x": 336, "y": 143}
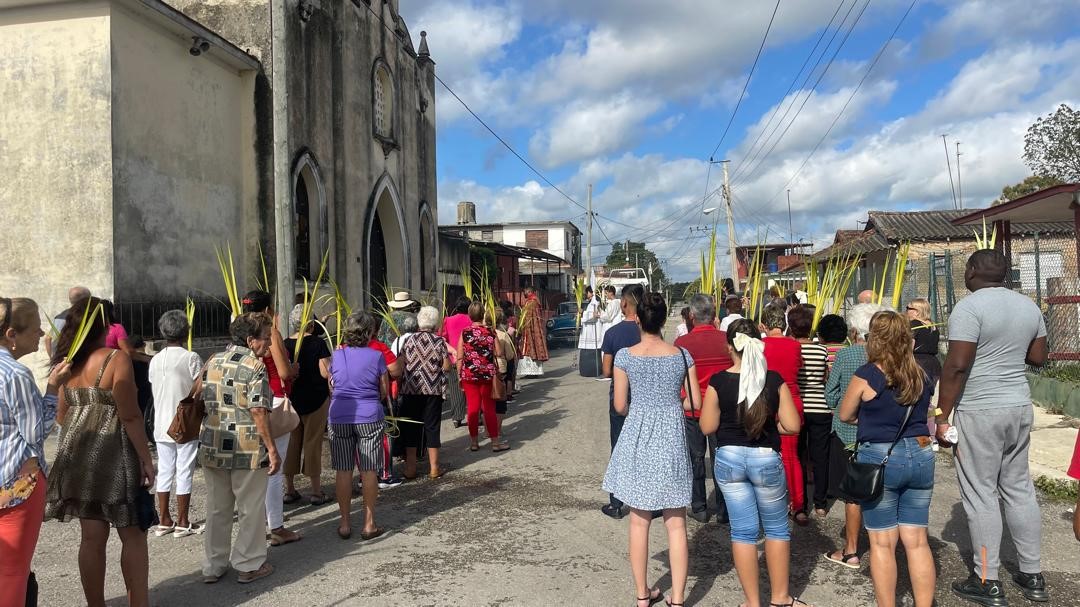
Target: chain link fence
{"x": 1043, "y": 267}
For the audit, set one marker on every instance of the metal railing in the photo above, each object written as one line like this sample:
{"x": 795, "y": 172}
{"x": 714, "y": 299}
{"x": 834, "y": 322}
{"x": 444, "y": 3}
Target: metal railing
{"x": 140, "y": 318}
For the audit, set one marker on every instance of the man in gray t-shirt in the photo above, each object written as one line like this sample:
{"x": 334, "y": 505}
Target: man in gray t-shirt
{"x": 993, "y": 334}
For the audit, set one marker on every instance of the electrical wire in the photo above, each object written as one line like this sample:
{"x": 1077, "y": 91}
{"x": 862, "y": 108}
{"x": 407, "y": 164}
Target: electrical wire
{"x": 865, "y": 75}
{"x": 753, "y": 171}
{"x": 794, "y": 81}
{"x": 747, "y": 83}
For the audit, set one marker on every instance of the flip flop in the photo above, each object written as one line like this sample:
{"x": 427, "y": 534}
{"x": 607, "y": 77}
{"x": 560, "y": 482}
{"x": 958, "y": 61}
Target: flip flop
{"x": 291, "y": 498}
{"x": 372, "y": 535}
{"x": 500, "y": 447}
{"x": 163, "y": 530}
{"x": 318, "y": 499}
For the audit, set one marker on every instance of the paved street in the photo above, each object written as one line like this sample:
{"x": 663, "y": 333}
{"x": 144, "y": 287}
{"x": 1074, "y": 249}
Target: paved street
{"x": 521, "y": 528}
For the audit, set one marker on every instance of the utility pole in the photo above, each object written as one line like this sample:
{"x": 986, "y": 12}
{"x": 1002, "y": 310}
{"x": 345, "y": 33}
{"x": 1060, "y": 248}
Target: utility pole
{"x": 959, "y": 186}
{"x": 283, "y": 219}
{"x": 791, "y": 230}
{"x": 588, "y": 242}
{"x": 730, "y": 227}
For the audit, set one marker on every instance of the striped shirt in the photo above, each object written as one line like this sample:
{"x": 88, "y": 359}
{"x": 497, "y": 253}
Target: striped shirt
{"x": 812, "y": 376}
{"x": 26, "y": 418}
{"x": 847, "y": 363}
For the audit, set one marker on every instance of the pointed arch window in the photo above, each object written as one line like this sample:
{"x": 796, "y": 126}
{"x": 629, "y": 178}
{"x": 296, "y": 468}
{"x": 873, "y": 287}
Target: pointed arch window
{"x": 383, "y": 99}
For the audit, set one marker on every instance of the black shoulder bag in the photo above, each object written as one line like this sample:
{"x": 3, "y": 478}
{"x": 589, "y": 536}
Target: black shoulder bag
{"x": 864, "y": 482}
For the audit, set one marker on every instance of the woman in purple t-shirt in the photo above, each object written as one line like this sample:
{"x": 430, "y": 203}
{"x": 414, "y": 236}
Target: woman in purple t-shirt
{"x": 358, "y": 384}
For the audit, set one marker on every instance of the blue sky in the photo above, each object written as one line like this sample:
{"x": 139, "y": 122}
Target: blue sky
{"x": 632, "y": 96}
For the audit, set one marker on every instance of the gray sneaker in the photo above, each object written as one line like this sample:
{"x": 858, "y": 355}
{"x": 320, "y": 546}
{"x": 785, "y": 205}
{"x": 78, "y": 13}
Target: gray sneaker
{"x": 1032, "y": 586}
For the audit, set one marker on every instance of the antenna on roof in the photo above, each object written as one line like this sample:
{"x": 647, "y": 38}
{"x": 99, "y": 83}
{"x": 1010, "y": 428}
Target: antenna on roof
{"x": 948, "y": 163}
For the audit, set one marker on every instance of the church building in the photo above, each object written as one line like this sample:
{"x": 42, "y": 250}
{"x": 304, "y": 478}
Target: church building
{"x": 139, "y": 135}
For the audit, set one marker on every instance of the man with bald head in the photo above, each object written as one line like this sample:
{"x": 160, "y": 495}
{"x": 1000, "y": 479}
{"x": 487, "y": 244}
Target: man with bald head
{"x": 866, "y": 297}
{"x": 993, "y": 334}
{"x": 75, "y": 295}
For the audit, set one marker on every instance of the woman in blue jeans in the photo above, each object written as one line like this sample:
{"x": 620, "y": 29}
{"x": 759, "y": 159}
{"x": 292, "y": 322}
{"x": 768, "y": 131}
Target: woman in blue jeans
{"x": 749, "y": 408}
{"x": 879, "y": 397}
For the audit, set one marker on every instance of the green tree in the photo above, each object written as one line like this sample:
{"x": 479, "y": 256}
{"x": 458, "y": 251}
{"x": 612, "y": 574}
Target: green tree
{"x": 1052, "y": 145}
{"x": 639, "y": 257}
{"x": 1029, "y": 185}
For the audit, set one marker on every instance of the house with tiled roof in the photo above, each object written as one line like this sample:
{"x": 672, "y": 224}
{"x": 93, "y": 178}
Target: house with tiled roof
{"x": 1041, "y": 251}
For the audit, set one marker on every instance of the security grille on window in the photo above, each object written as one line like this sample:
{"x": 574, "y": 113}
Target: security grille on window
{"x": 383, "y": 101}
{"x": 487, "y": 235}
{"x": 536, "y": 239}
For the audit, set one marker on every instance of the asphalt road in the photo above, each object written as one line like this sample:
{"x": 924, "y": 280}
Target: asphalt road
{"x": 524, "y": 528}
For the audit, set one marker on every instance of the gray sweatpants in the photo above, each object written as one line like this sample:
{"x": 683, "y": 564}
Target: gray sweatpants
{"x": 992, "y": 461}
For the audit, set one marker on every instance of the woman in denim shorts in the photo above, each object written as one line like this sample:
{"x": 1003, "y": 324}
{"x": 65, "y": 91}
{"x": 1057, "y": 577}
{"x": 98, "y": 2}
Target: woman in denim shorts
{"x": 749, "y": 408}
{"x": 878, "y": 397}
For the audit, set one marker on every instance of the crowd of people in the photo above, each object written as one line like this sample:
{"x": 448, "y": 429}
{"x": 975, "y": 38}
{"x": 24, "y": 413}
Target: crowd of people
{"x": 785, "y": 410}
{"x": 268, "y": 404}
{"x": 794, "y": 416}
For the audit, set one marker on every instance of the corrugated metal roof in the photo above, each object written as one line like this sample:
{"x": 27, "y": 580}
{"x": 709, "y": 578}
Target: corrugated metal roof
{"x": 899, "y": 226}
{"x": 866, "y": 242}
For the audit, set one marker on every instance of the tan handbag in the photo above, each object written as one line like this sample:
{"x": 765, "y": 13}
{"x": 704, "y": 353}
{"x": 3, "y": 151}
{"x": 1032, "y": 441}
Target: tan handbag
{"x": 498, "y": 387}
{"x": 283, "y": 419}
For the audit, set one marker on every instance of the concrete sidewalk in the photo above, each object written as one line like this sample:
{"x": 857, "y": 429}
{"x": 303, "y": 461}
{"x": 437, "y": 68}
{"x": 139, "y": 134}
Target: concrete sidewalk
{"x": 522, "y": 528}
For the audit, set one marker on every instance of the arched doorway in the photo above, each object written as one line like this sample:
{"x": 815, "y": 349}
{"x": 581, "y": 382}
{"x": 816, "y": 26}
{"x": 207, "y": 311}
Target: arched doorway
{"x": 388, "y": 263}
{"x": 310, "y": 226}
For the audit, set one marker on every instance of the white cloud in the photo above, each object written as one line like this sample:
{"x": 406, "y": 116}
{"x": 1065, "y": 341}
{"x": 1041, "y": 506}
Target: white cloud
{"x": 1002, "y": 79}
{"x": 972, "y": 22}
{"x": 465, "y": 38}
{"x": 587, "y": 130}
{"x": 619, "y": 67}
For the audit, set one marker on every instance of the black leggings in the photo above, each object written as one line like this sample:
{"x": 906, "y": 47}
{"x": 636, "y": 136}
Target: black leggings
{"x": 814, "y": 449}
{"x": 426, "y": 409}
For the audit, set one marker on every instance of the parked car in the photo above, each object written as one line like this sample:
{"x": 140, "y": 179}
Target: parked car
{"x": 562, "y": 328}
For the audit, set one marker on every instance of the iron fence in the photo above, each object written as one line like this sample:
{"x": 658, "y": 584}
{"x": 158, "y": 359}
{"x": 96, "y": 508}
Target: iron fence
{"x": 140, "y": 318}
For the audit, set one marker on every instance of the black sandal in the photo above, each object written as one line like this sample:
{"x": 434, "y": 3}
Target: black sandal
{"x": 794, "y": 600}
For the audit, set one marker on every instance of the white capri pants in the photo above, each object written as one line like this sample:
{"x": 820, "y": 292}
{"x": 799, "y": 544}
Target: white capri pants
{"x": 176, "y": 462}
{"x": 275, "y": 486}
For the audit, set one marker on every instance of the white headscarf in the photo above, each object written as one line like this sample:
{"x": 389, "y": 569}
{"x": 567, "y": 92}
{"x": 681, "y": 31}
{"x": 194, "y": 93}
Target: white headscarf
{"x": 752, "y": 373}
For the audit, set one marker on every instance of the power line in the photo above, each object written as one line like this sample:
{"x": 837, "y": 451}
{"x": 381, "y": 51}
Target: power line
{"x": 492, "y": 131}
{"x": 747, "y": 83}
{"x": 865, "y": 75}
{"x": 795, "y": 80}
{"x": 810, "y": 93}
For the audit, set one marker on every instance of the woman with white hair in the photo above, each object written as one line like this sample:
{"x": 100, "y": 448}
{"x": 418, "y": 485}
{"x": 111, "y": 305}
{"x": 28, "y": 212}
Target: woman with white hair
{"x": 172, "y": 375}
{"x": 842, "y": 445}
{"x": 426, "y": 360}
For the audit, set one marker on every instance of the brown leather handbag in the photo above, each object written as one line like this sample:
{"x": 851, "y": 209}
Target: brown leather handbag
{"x": 187, "y": 423}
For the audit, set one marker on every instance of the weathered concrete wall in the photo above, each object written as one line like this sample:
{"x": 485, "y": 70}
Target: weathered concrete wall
{"x": 331, "y": 60}
{"x": 183, "y": 164}
{"x": 56, "y": 195}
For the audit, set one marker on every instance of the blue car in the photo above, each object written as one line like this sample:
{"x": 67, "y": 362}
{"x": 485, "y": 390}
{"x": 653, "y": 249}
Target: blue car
{"x": 562, "y": 328}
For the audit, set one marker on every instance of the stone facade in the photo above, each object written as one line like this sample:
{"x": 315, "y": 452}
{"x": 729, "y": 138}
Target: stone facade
{"x": 131, "y": 156}
{"x": 361, "y": 118}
